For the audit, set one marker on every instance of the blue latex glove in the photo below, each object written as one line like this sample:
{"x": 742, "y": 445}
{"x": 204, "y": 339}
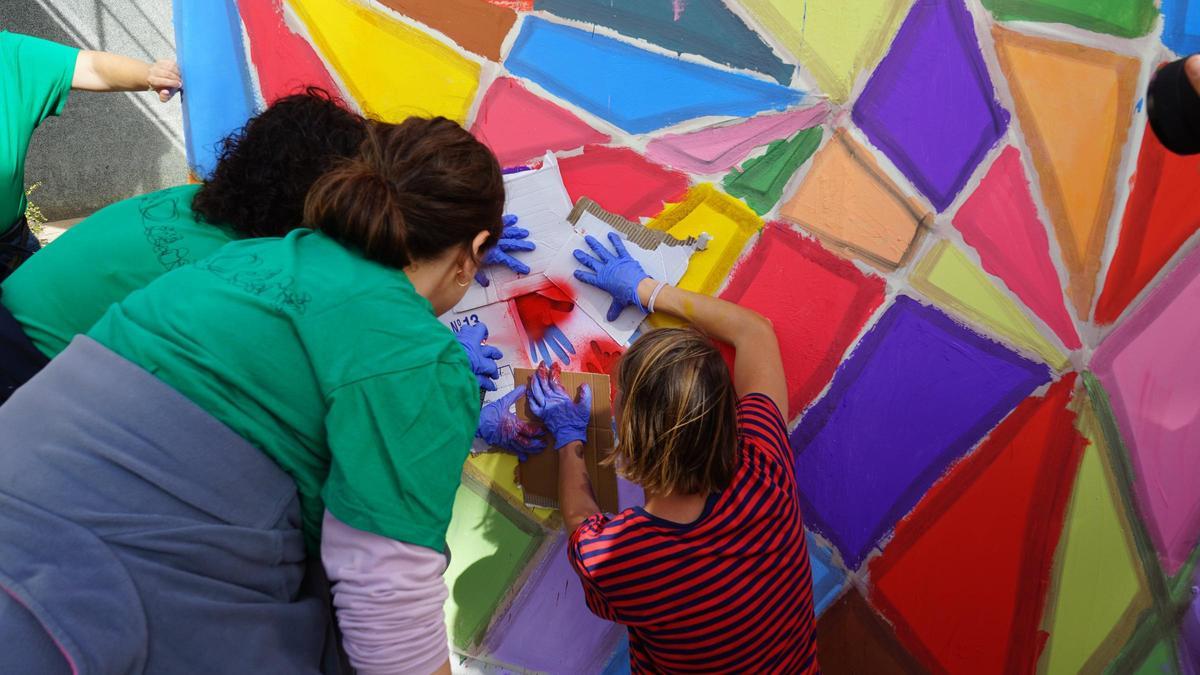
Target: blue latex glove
{"x": 564, "y": 418}
{"x": 500, "y": 426}
{"x": 553, "y": 340}
{"x": 618, "y": 273}
{"x": 513, "y": 238}
{"x": 482, "y": 357}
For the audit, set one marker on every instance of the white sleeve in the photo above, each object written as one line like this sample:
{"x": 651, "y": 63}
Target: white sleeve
{"x": 389, "y": 597}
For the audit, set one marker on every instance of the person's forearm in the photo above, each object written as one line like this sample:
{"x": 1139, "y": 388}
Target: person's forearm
{"x": 101, "y": 71}
{"x": 720, "y": 319}
{"x": 575, "y": 497}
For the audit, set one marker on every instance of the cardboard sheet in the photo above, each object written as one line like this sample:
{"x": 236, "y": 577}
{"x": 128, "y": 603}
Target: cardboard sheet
{"x": 538, "y": 476}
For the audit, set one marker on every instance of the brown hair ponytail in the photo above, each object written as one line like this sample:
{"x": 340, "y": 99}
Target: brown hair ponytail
{"x": 415, "y": 190}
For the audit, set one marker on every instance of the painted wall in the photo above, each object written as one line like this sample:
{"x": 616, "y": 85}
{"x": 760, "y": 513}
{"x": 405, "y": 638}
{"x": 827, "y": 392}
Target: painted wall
{"x": 104, "y": 147}
{"x": 982, "y": 268}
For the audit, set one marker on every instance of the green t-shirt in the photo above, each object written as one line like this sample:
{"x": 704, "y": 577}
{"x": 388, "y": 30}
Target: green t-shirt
{"x": 64, "y": 289}
{"x": 331, "y": 363}
{"x": 35, "y": 79}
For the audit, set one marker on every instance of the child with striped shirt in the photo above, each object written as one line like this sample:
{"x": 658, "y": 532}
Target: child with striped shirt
{"x": 712, "y": 574}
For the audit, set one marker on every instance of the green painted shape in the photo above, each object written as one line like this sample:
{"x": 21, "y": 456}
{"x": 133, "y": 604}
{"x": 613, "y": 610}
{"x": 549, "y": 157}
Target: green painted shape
{"x": 761, "y": 180}
{"x": 1125, "y": 18}
{"x": 1160, "y": 661}
{"x": 487, "y": 553}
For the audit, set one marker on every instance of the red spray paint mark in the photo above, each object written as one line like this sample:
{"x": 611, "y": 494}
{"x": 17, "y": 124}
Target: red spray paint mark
{"x": 285, "y": 62}
{"x": 964, "y": 580}
{"x": 543, "y": 309}
{"x": 1161, "y": 214}
{"x": 621, "y": 181}
{"x": 817, "y": 301}
{"x": 601, "y": 356}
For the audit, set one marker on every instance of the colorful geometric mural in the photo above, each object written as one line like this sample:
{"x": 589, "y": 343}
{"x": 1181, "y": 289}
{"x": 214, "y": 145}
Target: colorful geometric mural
{"x": 982, "y": 267}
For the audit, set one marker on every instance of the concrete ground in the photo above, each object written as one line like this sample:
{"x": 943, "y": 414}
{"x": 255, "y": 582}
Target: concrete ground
{"x": 105, "y": 147}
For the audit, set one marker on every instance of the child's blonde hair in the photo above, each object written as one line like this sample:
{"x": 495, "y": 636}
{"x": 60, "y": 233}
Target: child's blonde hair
{"x": 677, "y": 432}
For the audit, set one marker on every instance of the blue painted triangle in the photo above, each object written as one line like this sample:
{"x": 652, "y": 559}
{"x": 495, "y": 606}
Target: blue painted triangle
{"x": 635, "y": 89}
{"x": 705, "y": 28}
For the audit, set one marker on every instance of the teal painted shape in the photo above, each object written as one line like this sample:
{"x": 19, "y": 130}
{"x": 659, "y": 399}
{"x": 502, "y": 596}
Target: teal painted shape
{"x": 761, "y": 180}
{"x": 635, "y": 89}
{"x": 703, "y": 27}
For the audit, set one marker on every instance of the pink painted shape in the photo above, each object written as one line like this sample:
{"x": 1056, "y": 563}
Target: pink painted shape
{"x": 621, "y": 181}
{"x": 518, "y": 125}
{"x": 1149, "y": 368}
{"x": 1001, "y": 222}
{"x": 717, "y": 149}
{"x": 285, "y": 62}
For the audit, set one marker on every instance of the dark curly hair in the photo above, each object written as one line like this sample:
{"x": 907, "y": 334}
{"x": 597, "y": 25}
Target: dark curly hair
{"x": 267, "y": 167}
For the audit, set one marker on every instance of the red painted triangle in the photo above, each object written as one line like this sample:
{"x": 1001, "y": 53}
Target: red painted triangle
{"x": 1161, "y": 214}
{"x": 285, "y": 61}
{"x": 621, "y": 181}
{"x": 1000, "y": 221}
{"x": 964, "y": 580}
{"x": 519, "y": 126}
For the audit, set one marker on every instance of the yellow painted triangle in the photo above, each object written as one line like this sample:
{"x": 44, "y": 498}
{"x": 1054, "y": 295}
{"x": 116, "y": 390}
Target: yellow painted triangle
{"x": 1076, "y": 155}
{"x": 498, "y": 472}
{"x": 393, "y": 70}
{"x": 834, "y": 39}
{"x": 1099, "y": 587}
{"x": 947, "y": 276}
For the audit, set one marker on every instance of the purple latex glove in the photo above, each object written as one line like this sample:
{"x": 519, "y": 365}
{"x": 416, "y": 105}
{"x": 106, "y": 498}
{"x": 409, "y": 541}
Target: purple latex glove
{"x": 482, "y": 357}
{"x": 564, "y": 418}
{"x": 500, "y": 426}
{"x": 618, "y": 273}
{"x": 513, "y": 238}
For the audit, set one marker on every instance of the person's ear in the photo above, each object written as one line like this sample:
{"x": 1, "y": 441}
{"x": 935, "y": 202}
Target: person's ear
{"x": 478, "y": 242}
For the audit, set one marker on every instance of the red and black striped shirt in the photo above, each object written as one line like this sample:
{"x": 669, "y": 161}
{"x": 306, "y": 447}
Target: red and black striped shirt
{"x": 730, "y": 592}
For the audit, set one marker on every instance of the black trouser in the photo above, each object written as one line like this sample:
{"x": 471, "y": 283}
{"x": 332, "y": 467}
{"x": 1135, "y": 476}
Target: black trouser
{"x": 16, "y": 245}
{"x": 20, "y": 360}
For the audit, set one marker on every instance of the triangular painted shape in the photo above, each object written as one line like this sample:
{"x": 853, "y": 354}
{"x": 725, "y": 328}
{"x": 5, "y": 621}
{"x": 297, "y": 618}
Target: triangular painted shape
{"x": 834, "y": 39}
{"x": 965, "y": 576}
{"x": 393, "y": 70}
{"x": 1161, "y": 214}
{"x": 717, "y": 149}
{"x": 519, "y": 126}
{"x": 947, "y": 276}
{"x": 633, "y": 88}
{"x": 999, "y": 220}
{"x": 1099, "y": 588}
{"x": 474, "y": 25}
{"x": 760, "y": 181}
{"x": 1076, "y": 156}
{"x": 709, "y": 29}
{"x": 621, "y": 181}
{"x": 285, "y": 61}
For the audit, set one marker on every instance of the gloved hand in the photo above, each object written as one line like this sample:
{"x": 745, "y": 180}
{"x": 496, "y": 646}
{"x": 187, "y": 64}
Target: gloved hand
{"x": 618, "y": 274}
{"x": 566, "y": 419}
{"x": 500, "y": 426}
{"x": 513, "y": 238}
{"x": 482, "y": 357}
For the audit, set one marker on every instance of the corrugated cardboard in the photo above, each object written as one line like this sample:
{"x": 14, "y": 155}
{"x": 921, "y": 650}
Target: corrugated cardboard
{"x": 538, "y": 476}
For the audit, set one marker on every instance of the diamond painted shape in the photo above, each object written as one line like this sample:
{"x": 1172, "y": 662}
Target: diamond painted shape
{"x": 915, "y": 395}
{"x": 930, "y": 106}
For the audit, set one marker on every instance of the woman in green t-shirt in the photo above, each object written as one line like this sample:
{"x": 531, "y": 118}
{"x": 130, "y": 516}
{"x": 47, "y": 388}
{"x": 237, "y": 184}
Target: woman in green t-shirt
{"x": 35, "y": 78}
{"x": 283, "y": 401}
{"x": 256, "y": 190}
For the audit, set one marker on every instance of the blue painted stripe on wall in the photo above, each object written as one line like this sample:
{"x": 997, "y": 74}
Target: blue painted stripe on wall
{"x": 637, "y": 90}
{"x": 217, "y": 95}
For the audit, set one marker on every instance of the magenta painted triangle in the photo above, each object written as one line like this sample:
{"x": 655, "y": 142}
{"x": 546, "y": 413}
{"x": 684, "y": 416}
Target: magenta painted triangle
{"x": 518, "y": 125}
{"x": 717, "y": 149}
{"x": 1001, "y": 222}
